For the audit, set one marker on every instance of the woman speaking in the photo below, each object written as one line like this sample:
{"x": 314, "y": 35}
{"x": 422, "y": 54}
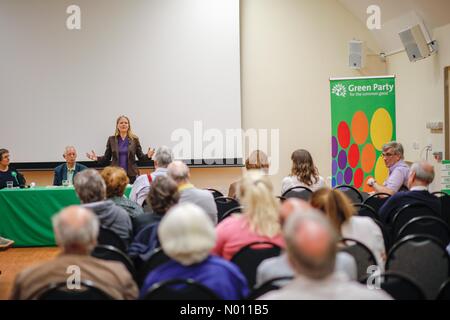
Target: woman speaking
{"x": 123, "y": 148}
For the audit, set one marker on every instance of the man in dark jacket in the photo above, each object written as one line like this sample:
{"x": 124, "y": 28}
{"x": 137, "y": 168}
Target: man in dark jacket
{"x": 68, "y": 170}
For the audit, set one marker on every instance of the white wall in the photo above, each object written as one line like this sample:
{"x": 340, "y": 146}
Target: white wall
{"x": 289, "y": 50}
{"x": 420, "y": 98}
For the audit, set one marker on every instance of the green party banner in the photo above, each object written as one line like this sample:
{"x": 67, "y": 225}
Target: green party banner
{"x": 362, "y": 120}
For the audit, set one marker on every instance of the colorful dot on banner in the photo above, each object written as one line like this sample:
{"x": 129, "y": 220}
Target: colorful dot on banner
{"x": 348, "y": 175}
{"x": 366, "y": 188}
{"x": 340, "y": 178}
{"x": 334, "y": 147}
{"x": 381, "y": 128}
{"x": 333, "y": 182}
{"x": 343, "y": 134}
{"x": 342, "y": 159}
{"x": 353, "y": 155}
{"x": 334, "y": 167}
{"x": 358, "y": 178}
{"x": 381, "y": 171}
{"x": 360, "y": 127}
{"x": 368, "y": 157}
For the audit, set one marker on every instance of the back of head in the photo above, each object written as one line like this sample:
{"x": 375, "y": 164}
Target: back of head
{"x": 76, "y": 230}
{"x": 424, "y": 172}
{"x": 90, "y": 186}
{"x": 163, "y": 156}
{"x": 116, "y": 181}
{"x": 261, "y": 207}
{"x": 311, "y": 244}
{"x": 257, "y": 160}
{"x": 303, "y": 167}
{"x": 163, "y": 194}
{"x": 335, "y": 204}
{"x": 178, "y": 171}
{"x": 187, "y": 234}
{"x": 290, "y": 206}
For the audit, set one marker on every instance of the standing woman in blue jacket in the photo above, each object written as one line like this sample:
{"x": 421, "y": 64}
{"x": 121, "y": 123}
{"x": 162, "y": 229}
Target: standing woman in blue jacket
{"x": 122, "y": 149}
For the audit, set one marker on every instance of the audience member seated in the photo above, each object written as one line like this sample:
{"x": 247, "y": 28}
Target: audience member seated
{"x": 187, "y": 237}
{"x": 91, "y": 190}
{"x": 141, "y": 187}
{"x": 163, "y": 195}
{"x": 303, "y": 173}
{"x": 340, "y": 212}
{"x": 256, "y": 161}
{"x": 398, "y": 170}
{"x": 116, "y": 181}
{"x": 420, "y": 176}
{"x": 76, "y": 230}
{"x": 68, "y": 170}
{"x": 179, "y": 172}
{"x": 258, "y": 222}
{"x": 311, "y": 245}
{"x": 278, "y": 267}
{"x": 7, "y": 173}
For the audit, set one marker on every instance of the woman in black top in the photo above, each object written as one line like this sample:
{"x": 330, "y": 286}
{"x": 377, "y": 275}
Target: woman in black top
{"x": 7, "y": 173}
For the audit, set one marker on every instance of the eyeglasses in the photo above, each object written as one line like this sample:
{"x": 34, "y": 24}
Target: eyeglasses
{"x": 387, "y": 155}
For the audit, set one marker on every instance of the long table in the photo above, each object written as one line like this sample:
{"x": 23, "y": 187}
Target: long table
{"x": 25, "y": 214}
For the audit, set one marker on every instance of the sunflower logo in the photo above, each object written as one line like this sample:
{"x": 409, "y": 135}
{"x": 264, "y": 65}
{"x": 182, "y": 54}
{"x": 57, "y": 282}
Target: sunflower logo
{"x": 339, "y": 90}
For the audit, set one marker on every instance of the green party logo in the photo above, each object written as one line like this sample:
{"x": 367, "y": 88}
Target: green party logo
{"x": 339, "y": 90}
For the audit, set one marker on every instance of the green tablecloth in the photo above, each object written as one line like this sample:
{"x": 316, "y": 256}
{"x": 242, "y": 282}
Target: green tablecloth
{"x": 25, "y": 214}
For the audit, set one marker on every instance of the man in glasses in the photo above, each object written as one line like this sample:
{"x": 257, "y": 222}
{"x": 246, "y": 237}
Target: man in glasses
{"x": 398, "y": 170}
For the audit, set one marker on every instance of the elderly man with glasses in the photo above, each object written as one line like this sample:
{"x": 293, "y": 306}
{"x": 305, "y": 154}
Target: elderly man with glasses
{"x": 398, "y": 170}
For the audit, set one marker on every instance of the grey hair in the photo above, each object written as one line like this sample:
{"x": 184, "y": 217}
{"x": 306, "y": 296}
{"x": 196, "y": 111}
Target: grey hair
{"x": 396, "y": 146}
{"x": 304, "y": 264}
{"x": 69, "y": 147}
{"x": 421, "y": 173}
{"x": 68, "y": 233}
{"x": 178, "y": 171}
{"x": 163, "y": 156}
{"x": 187, "y": 234}
{"x": 90, "y": 186}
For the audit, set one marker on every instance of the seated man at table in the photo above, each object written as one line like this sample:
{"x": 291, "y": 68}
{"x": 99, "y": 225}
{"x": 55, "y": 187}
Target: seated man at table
{"x": 91, "y": 189}
{"x": 76, "y": 230}
{"x": 68, "y": 170}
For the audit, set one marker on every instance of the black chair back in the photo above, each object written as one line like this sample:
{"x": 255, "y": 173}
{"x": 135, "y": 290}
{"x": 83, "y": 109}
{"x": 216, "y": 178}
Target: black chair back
{"x": 351, "y": 192}
{"x": 407, "y": 213}
{"x": 377, "y": 200}
{"x": 423, "y": 259}
{"x": 180, "y": 289}
{"x": 299, "y": 192}
{"x": 225, "y": 204}
{"x": 445, "y": 205}
{"x": 271, "y": 285}
{"x": 87, "y": 291}
{"x": 365, "y": 210}
{"x": 231, "y": 211}
{"x": 444, "y": 291}
{"x": 215, "y": 193}
{"x": 107, "y": 236}
{"x": 157, "y": 258}
{"x": 363, "y": 256}
{"x": 397, "y": 285}
{"x": 107, "y": 252}
{"x": 250, "y": 256}
{"x": 428, "y": 225}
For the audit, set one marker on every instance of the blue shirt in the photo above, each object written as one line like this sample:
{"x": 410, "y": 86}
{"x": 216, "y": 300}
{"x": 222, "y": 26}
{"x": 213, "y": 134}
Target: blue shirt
{"x": 221, "y": 276}
{"x": 123, "y": 152}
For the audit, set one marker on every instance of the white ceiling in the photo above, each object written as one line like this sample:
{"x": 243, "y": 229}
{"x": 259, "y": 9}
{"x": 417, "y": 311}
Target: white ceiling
{"x": 397, "y": 15}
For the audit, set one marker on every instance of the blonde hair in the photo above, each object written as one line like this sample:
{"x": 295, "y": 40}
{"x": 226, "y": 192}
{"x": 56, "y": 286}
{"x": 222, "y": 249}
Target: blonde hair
{"x": 335, "y": 205}
{"x": 257, "y": 160}
{"x": 116, "y": 181}
{"x": 261, "y": 207}
{"x": 130, "y": 133}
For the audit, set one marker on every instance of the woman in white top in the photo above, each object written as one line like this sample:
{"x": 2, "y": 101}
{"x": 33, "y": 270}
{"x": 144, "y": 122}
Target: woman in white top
{"x": 303, "y": 173}
{"x": 341, "y": 212}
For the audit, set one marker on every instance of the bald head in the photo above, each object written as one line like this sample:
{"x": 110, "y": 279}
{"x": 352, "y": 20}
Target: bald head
{"x": 420, "y": 174}
{"x": 178, "y": 171}
{"x": 290, "y": 206}
{"x": 76, "y": 230}
{"x": 311, "y": 244}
